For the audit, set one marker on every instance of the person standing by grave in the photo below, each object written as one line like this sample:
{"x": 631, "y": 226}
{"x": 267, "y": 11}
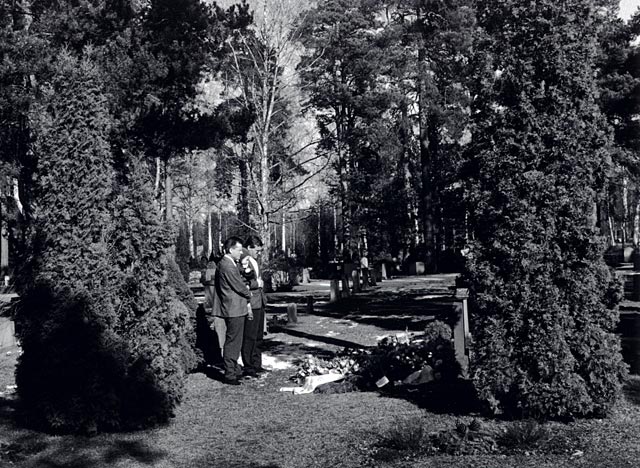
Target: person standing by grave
{"x": 254, "y": 329}
{"x": 231, "y": 304}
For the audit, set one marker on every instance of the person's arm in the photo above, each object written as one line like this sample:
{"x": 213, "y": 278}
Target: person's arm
{"x": 233, "y": 278}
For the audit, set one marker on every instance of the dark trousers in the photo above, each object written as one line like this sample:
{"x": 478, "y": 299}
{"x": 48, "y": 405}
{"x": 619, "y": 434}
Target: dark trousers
{"x": 232, "y": 346}
{"x": 252, "y": 342}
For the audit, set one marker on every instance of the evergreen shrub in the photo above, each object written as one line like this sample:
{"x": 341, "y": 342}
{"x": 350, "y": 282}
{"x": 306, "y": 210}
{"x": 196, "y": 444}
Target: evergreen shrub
{"x": 543, "y": 302}
{"x": 104, "y": 337}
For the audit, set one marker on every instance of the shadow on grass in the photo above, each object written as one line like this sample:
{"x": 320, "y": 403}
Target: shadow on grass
{"x": 393, "y": 309}
{"x": 279, "y": 348}
{"x": 41, "y": 450}
{"x": 320, "y": 338}
{"x": 77, "y": 453}
{"x": 390, "y": 313}
{"x": 457, "y": 398}
{"x": 632, "y": 390}
{"x": 226, "y": 463}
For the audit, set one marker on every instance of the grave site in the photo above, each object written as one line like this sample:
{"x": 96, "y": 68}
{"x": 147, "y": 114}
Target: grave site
{"x": 266, "y": 422}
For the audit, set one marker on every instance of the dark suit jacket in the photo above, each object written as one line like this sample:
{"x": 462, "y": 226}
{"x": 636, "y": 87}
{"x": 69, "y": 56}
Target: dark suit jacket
{"x": 258, "y": 299}
{"x": 232, "y": 293}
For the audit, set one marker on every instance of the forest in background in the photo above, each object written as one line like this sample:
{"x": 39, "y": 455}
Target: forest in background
{"x": 326, "y": 129}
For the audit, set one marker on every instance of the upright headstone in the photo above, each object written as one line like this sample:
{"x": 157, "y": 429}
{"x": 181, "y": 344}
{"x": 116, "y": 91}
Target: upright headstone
{"x": 7, "y": 333}
{"x": 345, "y": 287}
{"x": 374, "y": 277}
{"x": 356, "y": 281}
{"x": 416, "y": 268}
{"x": 292, "y": 313}
{"x": 383, "y": 270}
{"x": 335, "y": 291}
{"x": 306, "y": 278}
{"x": 309, "y": 305}
{"x": 365, "y": 279}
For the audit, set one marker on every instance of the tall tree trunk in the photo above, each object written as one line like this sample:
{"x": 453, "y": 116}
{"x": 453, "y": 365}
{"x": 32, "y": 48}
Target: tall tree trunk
{"x": 336, "y": 245}
{"x": 412, "y": 213}
{"x": 636, "y": 224}
{"x": 209, "y": 233}
{"x": 319, "y": 231}
{"x": 168, "y": 192}
{"x": 625, "y": 206}
{"x": 265, "y": 201}
{"x": 427, "y": 149}
{"x": 192, "y": 243}
{"x": 284, "y": 233}
{"x": 243, "y": 195}
{"x": 156, "y": 185}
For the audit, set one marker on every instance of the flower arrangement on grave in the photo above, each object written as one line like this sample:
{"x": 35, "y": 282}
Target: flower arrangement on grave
{"x": 399, "y": 359}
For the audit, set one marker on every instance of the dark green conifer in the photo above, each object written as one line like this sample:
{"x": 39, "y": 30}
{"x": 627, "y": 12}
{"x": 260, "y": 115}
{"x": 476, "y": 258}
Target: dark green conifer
{"x": 544, "y": 303}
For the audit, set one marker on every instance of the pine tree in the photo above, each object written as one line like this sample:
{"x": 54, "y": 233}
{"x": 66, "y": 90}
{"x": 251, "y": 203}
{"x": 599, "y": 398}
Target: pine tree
{"x": 544, "y": 303}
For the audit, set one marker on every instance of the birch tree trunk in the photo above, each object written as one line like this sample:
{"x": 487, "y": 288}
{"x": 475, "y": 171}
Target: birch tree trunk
{"x": 192, "y": 244}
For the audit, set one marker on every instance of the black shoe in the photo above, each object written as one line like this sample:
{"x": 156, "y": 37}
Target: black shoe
{"x": 261, "y": 370}
{"x": 232, "y": 381}
{"x": 249, "y": 375}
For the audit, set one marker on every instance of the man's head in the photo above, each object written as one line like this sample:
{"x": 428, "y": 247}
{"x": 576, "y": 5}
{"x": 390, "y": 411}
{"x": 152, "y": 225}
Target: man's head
{"x": 233, "y": 246}
{"x": 254, "y": 246}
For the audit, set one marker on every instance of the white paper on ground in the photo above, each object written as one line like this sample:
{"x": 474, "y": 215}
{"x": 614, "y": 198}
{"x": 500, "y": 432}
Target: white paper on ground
{"x": 312, "y": 382}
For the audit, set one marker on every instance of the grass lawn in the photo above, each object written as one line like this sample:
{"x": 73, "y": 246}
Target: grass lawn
{"x": 256, "y": 426}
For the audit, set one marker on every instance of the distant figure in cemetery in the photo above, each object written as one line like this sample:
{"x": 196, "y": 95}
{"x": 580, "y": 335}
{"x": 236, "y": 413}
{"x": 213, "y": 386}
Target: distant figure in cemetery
{"x": 364, "y": 266}
{"x": 254, "y": 329}
{"x": 231, "y": 304}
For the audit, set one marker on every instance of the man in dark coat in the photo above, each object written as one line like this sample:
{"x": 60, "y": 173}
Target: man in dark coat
{"x": 254, "y": 329}
{"x": 232, "y": 304}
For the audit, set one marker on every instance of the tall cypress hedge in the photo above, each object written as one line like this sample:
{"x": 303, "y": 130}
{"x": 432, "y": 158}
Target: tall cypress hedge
{"x": 104, "y": 338}
{"x": 544, "y": 304}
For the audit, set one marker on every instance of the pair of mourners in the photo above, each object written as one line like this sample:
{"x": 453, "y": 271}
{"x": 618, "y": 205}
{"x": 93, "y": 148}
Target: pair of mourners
{"x": 238, "y": 308}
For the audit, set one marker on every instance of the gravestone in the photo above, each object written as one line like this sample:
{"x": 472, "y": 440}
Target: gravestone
{"x": 292, "y": 313}
{"x": 306, "y": 278}
{"x": 345, "y": 287}
{"x": 416, "y": 268}
{"x": 335, "y": 291}
{"x": 309, "y": 305}
{"x": 374, "y": 277}
{"x": 356, "y": 281}
{"x": 7, "y": 333}
{"x": 365, "y": 279}
{"x": 383, "y": 271}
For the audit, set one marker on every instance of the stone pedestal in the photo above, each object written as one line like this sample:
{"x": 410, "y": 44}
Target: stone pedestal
{"x": 461, "y": 333}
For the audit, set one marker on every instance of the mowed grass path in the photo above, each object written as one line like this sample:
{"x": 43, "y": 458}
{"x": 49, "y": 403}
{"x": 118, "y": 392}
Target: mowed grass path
{"x": 256, "y": 426}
